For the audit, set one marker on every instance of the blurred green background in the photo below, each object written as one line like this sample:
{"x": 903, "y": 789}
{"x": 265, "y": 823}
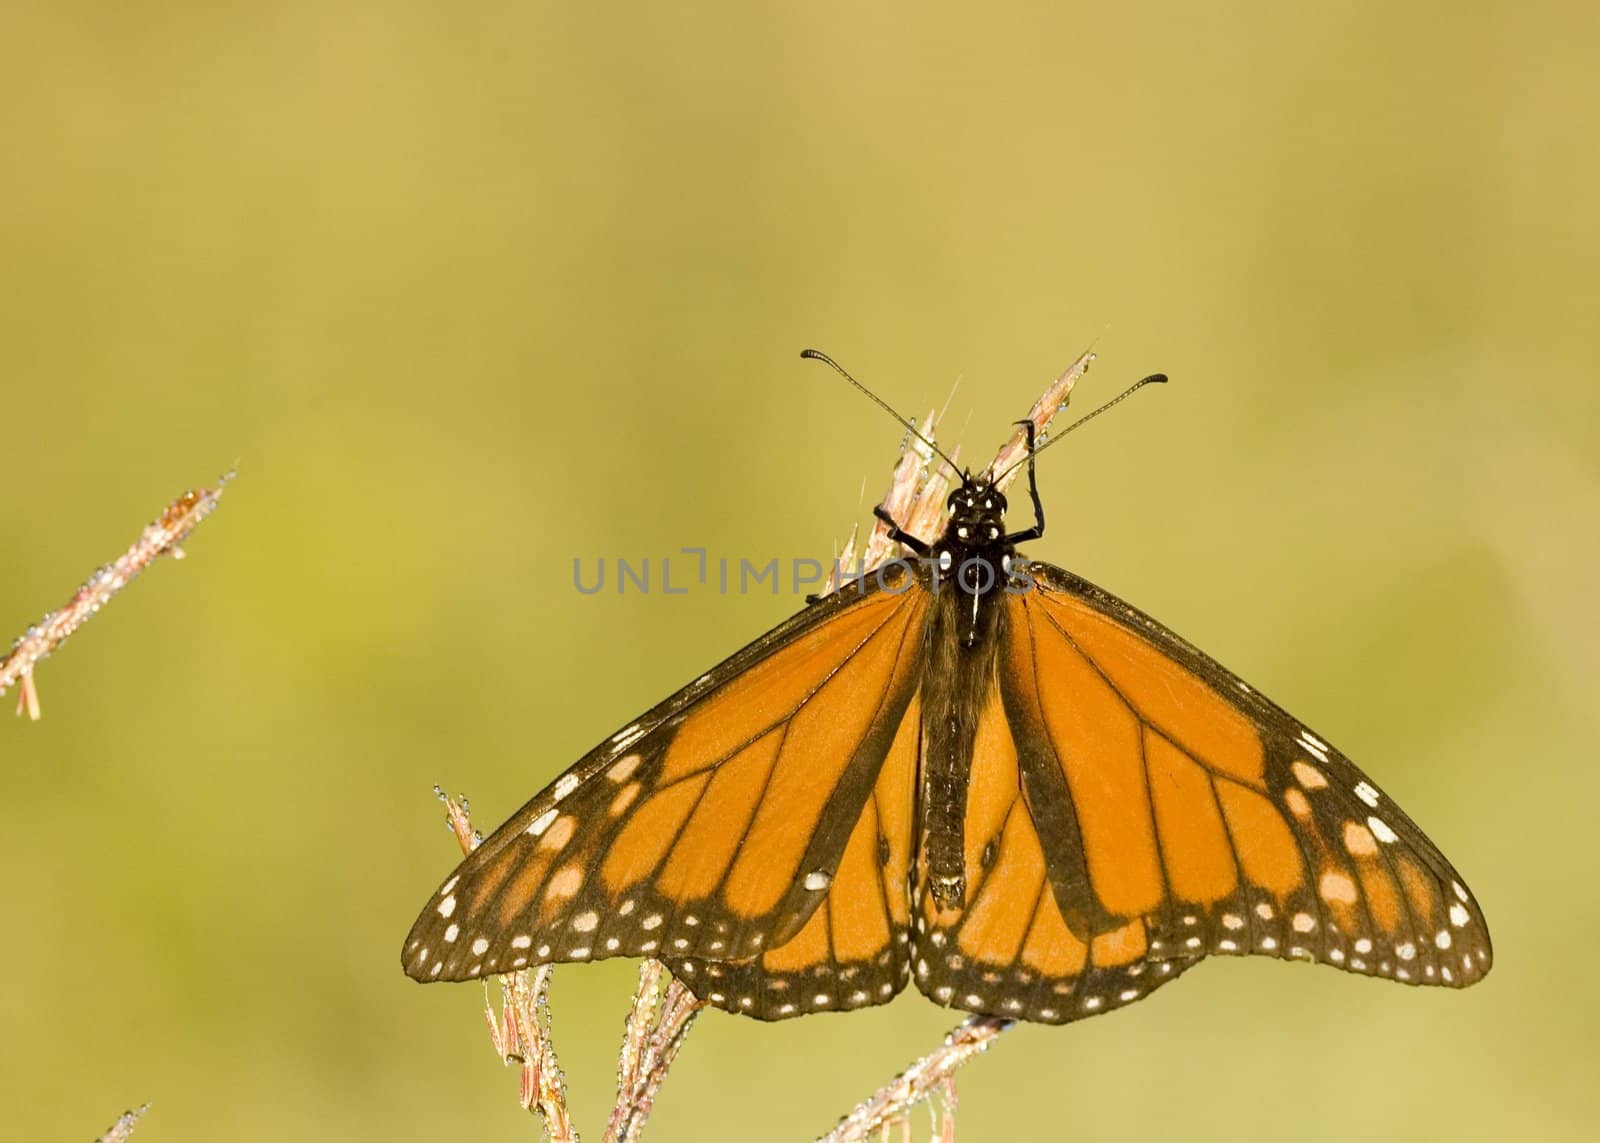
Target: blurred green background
{"x": 471, "y": 291}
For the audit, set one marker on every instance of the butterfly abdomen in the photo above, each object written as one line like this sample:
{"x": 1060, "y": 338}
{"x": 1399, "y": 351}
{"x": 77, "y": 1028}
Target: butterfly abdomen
{"x": 962, "y": 635}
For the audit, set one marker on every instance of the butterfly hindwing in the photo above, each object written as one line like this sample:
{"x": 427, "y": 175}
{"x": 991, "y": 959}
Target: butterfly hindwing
{"x": 851, "y": 952}
{"x": 1020, "y": 945}
{"x": 712, "y": 827}
{"x": 1209, "y": 813}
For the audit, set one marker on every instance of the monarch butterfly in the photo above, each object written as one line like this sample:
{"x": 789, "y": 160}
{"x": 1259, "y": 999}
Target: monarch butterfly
{"x": 970, "y": 770}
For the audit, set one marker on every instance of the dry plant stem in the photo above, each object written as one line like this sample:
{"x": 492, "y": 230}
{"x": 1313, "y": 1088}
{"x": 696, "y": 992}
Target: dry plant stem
{"x": 520, "y": 1032}
{"x": 947, "y": 1118}
{"x": 630, "y": 1065}
{"x": 1050, "y": 402}
{"x": 122, "y": 1129}
{"x": 910, "y": 475}
{"x": 890, "y": 1103}
{"x": 162, "y": 537}
{"x": 658, "y": 1022}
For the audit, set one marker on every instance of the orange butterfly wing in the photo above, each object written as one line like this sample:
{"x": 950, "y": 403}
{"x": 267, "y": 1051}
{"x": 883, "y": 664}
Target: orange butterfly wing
{"x": 1134, "y": 807}
{"x": 716, "y": 826}
{"x": 851, "y": 952}
{"x": 1018, "y": 946}
{"x": 1207, "y": 812}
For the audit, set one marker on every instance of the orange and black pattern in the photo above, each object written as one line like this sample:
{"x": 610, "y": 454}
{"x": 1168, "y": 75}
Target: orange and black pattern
{"x": 1135, "y": 807}
{"x": 761, "y": 816}
{"x": 1126, "y": 808}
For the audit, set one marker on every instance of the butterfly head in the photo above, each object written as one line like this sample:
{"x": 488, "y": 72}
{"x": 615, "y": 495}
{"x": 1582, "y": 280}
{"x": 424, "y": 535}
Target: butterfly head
{"x": 977, "y": 514}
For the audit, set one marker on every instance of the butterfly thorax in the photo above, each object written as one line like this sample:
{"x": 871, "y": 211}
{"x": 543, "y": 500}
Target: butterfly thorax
{"x": 969, "y": 571}
{"x": 972, "y": 556}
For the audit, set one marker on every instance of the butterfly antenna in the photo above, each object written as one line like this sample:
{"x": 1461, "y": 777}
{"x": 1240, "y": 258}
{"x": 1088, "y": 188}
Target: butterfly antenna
{"x": 911, "y": 426}
{"x": 1153, "y": 379}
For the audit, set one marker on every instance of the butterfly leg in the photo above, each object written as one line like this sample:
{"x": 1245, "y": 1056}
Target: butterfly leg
{"x": 896, "y": 534}
{"x": 1037, "y": 530}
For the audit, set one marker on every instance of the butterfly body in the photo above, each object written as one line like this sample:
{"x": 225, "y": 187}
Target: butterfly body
{"x": 967, "y": 572}
{"x": 969, "y": 770}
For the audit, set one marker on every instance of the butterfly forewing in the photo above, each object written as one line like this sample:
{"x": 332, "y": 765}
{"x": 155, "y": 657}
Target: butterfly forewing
{"x": 1209, "y": 812}
{"x": 713, "y": 827}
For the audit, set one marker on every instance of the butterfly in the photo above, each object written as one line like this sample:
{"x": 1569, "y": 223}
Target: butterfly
{"x": 969, "y": 770}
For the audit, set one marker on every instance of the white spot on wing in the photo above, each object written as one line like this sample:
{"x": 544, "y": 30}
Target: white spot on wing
{"x": 628, "y": 737}
{"x": 1313, "y": 743}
